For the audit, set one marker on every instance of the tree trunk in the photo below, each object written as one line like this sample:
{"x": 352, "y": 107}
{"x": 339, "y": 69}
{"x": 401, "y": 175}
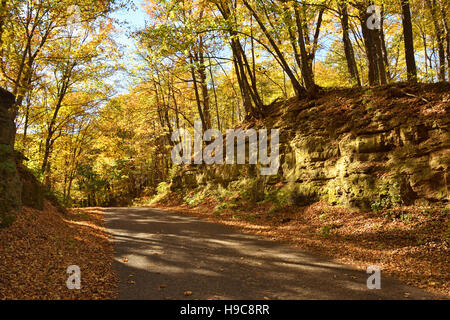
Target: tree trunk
{"x": 215, "y": 95}
{"x": 295, "y": 84}
{"x": 440, "y": 41}
{"x": 384, "y": 49}
{"x": 239, "y": 58}
{"x": 379, "y": 57}
{"x": 370, "y": 49}
{"x": 307, "y": 72}
{"x": 409, "y": 42}
{"x": 242, "y": 79}
{"x": 197, "y": 95}
{"x": 25, "y": 126}
{"x": 348, "y": 48}
{"x": 204, "y": 85}
{"x": 447, "y": 36}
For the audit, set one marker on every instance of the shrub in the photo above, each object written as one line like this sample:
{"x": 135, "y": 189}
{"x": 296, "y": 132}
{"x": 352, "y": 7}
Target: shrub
{"x": 162, "y": 191}
{"x": 388, "y": 197}
{"x": 325, "y": 231}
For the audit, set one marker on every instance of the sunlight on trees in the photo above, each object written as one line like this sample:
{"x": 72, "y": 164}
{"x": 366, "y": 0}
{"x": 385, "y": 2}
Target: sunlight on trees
{"x": 215, "y": 61}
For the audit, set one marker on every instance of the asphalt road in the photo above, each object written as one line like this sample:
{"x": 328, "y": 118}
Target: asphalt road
{"x": 161, "y": 255}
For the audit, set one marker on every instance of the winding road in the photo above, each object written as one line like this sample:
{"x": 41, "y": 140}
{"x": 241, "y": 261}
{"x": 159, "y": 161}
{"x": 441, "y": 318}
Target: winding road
{"x": 159, "y": 254}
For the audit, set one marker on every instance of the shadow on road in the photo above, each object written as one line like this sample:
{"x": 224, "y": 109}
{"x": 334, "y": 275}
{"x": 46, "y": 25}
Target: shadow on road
{"x": 161, "y": 255}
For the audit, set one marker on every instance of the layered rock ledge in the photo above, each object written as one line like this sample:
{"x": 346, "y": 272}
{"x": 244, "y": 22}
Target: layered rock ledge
{"x": 355, "y": 148}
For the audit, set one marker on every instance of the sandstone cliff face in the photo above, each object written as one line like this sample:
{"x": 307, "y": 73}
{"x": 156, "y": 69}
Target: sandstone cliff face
{"x": 10, "y": 184}
{"x": 18, "y": 186}
{"x": 365, "y": 149}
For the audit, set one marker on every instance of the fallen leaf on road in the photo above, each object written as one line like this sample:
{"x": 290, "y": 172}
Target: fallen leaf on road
{"x": 266, "y": 298}
{"x": 162, "y": 286}
{"x": 188, "y": 293}
{"x": 124, "y": 259}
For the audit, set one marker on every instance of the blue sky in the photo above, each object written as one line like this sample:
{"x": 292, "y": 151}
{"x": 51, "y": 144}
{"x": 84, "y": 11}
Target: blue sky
{"x": 131, "y": 19}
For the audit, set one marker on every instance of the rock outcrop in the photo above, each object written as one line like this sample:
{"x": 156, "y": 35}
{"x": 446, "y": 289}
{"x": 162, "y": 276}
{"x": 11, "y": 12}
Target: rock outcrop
{"x": 365, "y": 149}
{"x": 10, "y": 183}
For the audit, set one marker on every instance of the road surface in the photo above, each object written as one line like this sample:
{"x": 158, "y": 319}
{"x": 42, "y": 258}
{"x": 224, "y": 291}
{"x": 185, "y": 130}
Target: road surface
{"x": 159, "y": 254}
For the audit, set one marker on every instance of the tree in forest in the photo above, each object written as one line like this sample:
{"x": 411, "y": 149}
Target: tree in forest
{"x": 348, "y": 47}
{"x": 214, "y": 61}
{"x": 408, "y": 41}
